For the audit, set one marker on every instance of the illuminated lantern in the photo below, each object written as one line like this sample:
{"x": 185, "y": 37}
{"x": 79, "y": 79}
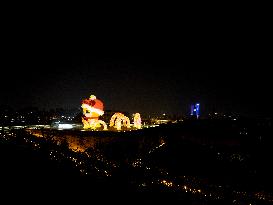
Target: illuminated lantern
{"x": 118, "y": 124}
{"x": 92, "y": 110}
{"x": 100, "y": 122}
{"x": 137, "y": 121}
{"x": 117, "y": 119}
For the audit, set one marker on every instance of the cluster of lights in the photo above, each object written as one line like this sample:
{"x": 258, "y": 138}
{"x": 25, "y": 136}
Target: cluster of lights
{"x": 79, "y": 158}
{"x": 192, "y": 190}
{"x": 167, "y": 183}
{"x": 188, "y": 189}
{"x": 264, "y": 196}
{"x": 162, "y": 143}
{"x": 137, "y": 163}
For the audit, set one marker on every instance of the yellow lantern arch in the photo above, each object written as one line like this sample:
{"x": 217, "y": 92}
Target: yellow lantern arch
{"x": 119, "y": 119}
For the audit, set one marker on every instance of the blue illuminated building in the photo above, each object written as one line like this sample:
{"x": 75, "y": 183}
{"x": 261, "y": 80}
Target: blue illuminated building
{"x": 195, "y": 110}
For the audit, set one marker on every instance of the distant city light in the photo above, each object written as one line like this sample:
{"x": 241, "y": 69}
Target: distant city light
{"x": 65, "y": 126}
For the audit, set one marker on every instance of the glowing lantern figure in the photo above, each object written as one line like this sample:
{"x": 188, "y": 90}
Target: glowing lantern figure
{"x": 92, "y": 109}
{"x": 137, "y": 121}
{"x": 116, "y": 120}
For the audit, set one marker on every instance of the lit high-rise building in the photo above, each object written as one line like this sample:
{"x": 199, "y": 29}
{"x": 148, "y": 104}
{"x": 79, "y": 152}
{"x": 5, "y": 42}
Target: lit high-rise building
{"x": 195, "y": 110}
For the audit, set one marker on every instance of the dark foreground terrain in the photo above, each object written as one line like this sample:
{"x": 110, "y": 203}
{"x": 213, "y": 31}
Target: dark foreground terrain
{"x": 195, "y": 162}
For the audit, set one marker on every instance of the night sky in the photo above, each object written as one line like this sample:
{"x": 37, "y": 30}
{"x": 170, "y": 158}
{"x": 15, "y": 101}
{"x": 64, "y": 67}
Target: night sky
{"x": 226, "y": 70}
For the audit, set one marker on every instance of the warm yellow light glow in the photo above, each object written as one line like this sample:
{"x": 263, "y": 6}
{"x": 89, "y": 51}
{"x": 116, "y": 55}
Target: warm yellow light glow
{"x": 166, "y": 183}
{"x": 117, "y": 119}
{"x": 103, "y": 124}
{"x": 137, "y": 121}
{"x": 93, "y": 124}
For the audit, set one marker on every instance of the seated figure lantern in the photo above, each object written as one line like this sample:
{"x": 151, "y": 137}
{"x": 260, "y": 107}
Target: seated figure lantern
{"x": 92, "y": 109}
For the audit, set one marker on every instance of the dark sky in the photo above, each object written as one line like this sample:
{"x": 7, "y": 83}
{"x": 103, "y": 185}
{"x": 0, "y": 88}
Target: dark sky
{"x": 225, "y": 68}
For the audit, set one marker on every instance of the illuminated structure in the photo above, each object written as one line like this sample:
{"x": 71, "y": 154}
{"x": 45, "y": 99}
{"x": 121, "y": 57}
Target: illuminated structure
{"x": 195, "y": 110}
{"x": 92, "y": 109}
{"x": 137, "y": 121}
{"x": 118, "y": 119}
